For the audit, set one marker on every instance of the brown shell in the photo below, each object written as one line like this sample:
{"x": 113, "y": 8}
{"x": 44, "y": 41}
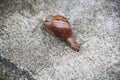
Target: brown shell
{"x": 59, "y": 25}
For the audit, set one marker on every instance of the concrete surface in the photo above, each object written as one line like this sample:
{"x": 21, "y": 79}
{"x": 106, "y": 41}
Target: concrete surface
{"x": 46, "y": 57}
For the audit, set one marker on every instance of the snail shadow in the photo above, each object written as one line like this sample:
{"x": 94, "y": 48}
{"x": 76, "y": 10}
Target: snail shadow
{"x": 53, "y": 37}
{"x": 40, "y": 28}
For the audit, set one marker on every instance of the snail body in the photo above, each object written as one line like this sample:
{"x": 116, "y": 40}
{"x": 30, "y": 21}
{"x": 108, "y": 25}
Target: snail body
{"x": 61, "y": 28}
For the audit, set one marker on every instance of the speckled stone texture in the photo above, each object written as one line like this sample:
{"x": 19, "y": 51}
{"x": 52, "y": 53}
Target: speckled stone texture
{"x": 25, "y": 44}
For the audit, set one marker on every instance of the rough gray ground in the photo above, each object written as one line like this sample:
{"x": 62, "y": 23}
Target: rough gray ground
{"x": 45, "y": 56}
{"x": 9, "y": 71}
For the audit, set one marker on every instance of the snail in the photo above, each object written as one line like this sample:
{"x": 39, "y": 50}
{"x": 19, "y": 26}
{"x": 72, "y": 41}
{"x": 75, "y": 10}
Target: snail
{"x": 61, "y": 28}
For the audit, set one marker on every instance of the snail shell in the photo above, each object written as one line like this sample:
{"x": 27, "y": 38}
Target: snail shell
{"x": 61, "y": 27}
